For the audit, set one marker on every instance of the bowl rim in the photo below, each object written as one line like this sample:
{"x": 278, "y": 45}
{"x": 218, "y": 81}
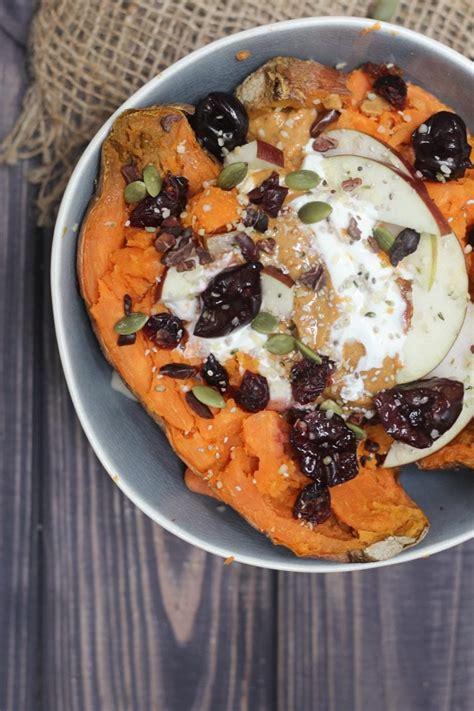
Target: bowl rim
{"x": 316, "y": 565}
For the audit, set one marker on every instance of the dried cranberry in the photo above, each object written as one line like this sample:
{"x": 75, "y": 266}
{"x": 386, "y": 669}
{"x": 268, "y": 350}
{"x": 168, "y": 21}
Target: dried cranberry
{"x": 220, "y": 121}
{"x": 247, "y": 247}
{"x": 270, "y": 195}
{"x": 371, "y": 445}
{"x": 127, "y": 340}
{"x": 393, "y": 89}
{"x": 164, "y": 329}
{"x": 441, "y": 147}
{"x": 198, "y": 407}
{"x": 314, "y": 278}
{"x": 308, "y": 379}
{"x": 180, "y": 371}
{"x": 256, "y": 219}
{"x": 325, "y": 447}
{"x": 215, "y": 374}
{"x": 173, "y": 197}
{"x": 419, "y": 413}
{"x": 322, "y": 120}
{"x": 470, "y": 235}
{"x": 380, "y": 70}
{"x": 313, "y": 504}
{"x": 253, "y": 394}
{"x": 406, "y": 242}
{"x": 231, "y": 300}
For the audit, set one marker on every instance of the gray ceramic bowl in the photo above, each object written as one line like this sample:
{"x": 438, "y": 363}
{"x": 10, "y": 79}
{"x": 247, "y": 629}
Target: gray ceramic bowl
{"x": 128, "y": 443}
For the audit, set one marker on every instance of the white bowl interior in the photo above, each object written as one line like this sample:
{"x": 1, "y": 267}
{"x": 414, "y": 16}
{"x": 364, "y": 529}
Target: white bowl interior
{"x": 125, "y": 439}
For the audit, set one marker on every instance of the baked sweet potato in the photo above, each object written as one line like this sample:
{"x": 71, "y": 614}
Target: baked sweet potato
{"x": 372, "y": 517}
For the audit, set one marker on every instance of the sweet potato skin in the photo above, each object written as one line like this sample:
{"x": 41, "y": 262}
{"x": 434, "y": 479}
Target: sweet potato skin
{"x": 114, "y": 259}
{"x": 287, "y": 81}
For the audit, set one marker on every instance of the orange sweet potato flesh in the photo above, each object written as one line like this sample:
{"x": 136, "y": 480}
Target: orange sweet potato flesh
{"x": 458, "y": 453}
{"x": 225, "y": 453}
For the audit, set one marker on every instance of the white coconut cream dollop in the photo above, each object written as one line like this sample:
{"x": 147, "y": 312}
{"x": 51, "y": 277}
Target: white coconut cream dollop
{"x": 372, "y": 307}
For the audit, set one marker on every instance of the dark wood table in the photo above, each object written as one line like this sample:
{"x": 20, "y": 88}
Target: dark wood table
{"x": 102, "y": 610}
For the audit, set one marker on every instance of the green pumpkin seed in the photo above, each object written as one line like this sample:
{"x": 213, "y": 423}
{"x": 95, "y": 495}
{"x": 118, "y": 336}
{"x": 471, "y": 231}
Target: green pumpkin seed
{"x": 332, "y": 406}
{"x": 383, "y": 10}
{"x": 307, "y": 352}
{"x": 302, "y": 179}
{"x": 134, "y": 192}
{"x": 358, "y": 431}
{"x": 384, "y": 238}
{"x": 280, "y": 344}
{"x": 314, "y": 212}
{"x": 208, "y": 396}
{"x": 264, "y": 323}
{"x": 152, "y": 180}
{"x": 232, "y": 175}
{"x": 131, "y": 323}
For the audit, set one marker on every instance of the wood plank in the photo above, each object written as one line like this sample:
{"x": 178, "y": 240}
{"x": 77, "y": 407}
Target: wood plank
{"x": 134, "y": 618}
{"x": 393, "y": 638}
{"x": 19, "y": 410}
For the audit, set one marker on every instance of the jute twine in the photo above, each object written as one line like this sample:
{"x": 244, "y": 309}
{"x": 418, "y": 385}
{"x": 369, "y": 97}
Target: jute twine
{"x": 87, "y": 56}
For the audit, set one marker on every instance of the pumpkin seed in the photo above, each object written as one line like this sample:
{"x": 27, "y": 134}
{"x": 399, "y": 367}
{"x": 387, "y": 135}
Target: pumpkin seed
{"x": 384, "y": 238}
{"x": 134, "y": 192}
{"x": 358, "y": 431}
{"x": 332, "y": 406}
{"x": 232, "y": 175}
{"x": 302, "y": 179}
{"x": 383, "y": 10}
{"x": 264, "y": 322}
{"x": 208, "y": 396}
{"x": 314, "y": 212}
{"x": 131, "y": 323}
{"x": 307, "y": 352}
{"x": 152, "y": 180}
{"x": 280, "y": 344}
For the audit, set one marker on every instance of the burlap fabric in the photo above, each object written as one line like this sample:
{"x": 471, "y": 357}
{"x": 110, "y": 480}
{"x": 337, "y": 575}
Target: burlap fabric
{"x": 87, "y": 56}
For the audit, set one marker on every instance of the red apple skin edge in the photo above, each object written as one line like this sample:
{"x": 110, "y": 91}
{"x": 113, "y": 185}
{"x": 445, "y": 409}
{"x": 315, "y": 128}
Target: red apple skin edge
{"x": 272, "y": 154}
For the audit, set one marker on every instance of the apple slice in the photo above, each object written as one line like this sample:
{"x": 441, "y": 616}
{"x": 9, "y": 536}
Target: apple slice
{"x": 277, "y": 295}
{"x": 439, "y": 297}
{"x": 259, "y": 155}
{"x": 437, "y": 267}
{"x": 457, "y": 365}
{"x": 352, "y": 142}
{"x": 396, "y": 198}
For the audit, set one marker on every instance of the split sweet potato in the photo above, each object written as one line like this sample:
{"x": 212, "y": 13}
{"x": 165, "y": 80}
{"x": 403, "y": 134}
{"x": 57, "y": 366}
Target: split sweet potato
{"x": 372, "y": 517}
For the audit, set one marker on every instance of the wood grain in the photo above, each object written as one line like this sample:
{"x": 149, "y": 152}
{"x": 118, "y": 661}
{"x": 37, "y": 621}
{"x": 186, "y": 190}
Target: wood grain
{"x": 100, "y": 609}
{"x": 136, "y": 618}
{"x": 19, "y": 512}
{"x": 394, "y": 638}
